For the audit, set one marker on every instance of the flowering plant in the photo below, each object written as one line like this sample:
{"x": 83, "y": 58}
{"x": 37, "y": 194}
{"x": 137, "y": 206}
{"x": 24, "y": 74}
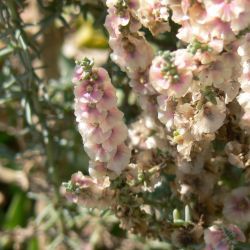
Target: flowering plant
{"x": 180, "y": 172}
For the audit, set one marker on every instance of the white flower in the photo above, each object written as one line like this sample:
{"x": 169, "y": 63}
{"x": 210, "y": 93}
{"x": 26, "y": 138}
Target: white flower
{"x": 210, "y": 118}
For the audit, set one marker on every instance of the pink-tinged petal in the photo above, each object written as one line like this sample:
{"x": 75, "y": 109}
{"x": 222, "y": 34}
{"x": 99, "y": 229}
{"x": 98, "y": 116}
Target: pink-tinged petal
{"x": 97, "y": 169}
{"x": 102, "y": 76}
{"x": 114, "y": 116}
{"x": 240, "y": 23}
{"x": 131, "y": 53}
{"x": 113, "y": 21}
{"x": 221, "y": 30}
{"x": 185, "y": 33}
{"x": 237, "y": 206}
{"x": 180, "y": 87}
{"x": 97, "y": 153}
{"x": 120, "y": 160}
{"x": 156, "y": 77}
{"x": 88, "y": 93}
{"x": 93, "y": 133}
{"x": 140, "y": 83}
{"x": 213, "y": 235}
{"x": 118, "y": 134}
{"x": 77, "y": 74}
{"x": 216, "y": 239}
{"x": 81, "y": 180}
{"x": 108, "y": 100}
{"x": 99, "y": 121}
{"x": 216, "y": 45}
{"x": 184, "y": 60}
{"x": 223, "y": 9}
{"x": 89, "y": 112}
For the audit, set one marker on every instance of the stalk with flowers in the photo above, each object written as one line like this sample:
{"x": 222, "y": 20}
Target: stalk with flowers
{"x": 171, "y": 174}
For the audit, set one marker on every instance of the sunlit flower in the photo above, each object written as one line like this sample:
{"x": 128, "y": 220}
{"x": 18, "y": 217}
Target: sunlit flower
{"x": 131, "y": 53}
{"x": 168, "y": 79}
{"x": 242, "y": 22}
{"x": 153, "y": 14}
{"x": 210, "y": 118}
{"x": 99, "y": 121}
{"x": 223, "y": 9}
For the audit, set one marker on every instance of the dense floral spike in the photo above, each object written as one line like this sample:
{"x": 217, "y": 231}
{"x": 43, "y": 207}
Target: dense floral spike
{"x": 131, "y": 51}
{"x": 99, "y": 121}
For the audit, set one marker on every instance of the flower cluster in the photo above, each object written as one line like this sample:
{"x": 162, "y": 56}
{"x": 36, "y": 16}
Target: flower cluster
{"x": 99, "y": 121}
{"x": 212, "y": 22}
{"x": 154, "y": 15}
{"x": 192, "y": 137}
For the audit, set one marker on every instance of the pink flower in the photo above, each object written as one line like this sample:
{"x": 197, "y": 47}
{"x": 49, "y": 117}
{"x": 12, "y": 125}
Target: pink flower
{"x": 210, "y": 118}
{"x": 77, "y": 74}
{"x": 217, "y": 239}
{"x": 242, "y": 22}
{"x": 88, "y": 111}
{"x": 108, "y": 99}
{"x": 237, "y": 206}
{"x": 97, "y": 152}
{"x": 131, "y": 53}
{"x": 99, "y": 121}
{"x": 223, "y": 9}
{"x": 170, "y": 79}
{"x": 114, "y": 22}
{"x": 153, "y": 14}
{"x": 140, "y": 82}
{"x": 93, "y": 132}
{"x": 118, "y": 134}
{"x": 220, "y": 30}
{"x": 114, "y": 116}
{"x": 88, "y": 92}
{"x": 120, "y": 159}
{"x": 97, "y": 169}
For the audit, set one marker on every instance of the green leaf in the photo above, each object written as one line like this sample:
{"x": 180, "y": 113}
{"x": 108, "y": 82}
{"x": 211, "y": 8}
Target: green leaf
{"x": 17, "y": 211}
{"x": 33, "y": 244}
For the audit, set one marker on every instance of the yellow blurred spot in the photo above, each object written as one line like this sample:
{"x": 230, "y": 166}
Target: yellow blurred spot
{"x": 88, "y": 36}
